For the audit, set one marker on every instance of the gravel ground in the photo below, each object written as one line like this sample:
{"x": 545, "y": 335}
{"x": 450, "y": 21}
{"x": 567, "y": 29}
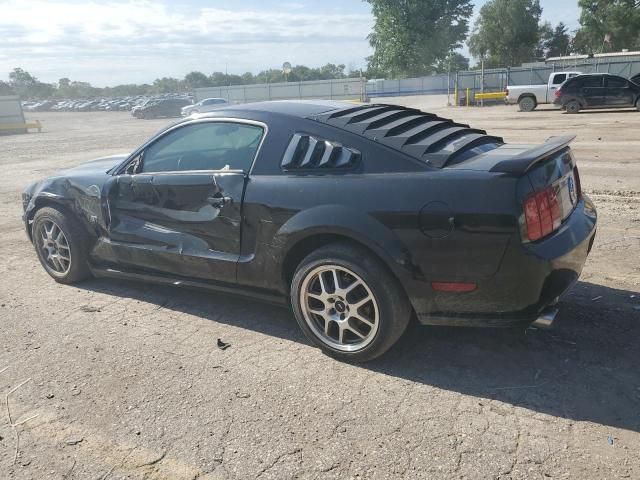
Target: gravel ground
{"x": 127, "y": 381}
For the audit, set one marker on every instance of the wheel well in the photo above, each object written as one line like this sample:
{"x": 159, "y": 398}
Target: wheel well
{"x": 527, "y": 95}
{"x": 309, "y": 244}
{"x": 41, "y": 203}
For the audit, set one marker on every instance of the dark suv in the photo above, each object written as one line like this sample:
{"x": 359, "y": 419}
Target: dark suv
{"x": 597, "y": 90}
{"x": 164, "y": 107}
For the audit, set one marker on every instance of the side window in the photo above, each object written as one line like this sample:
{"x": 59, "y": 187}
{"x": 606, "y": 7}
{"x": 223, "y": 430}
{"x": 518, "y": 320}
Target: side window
{"x": 571, "y": 75}
{"x": 558, "y": 79}
{"x": 204, "y": 146}
{"x": 591, "y": 81}
{"x": 616, "y": 82}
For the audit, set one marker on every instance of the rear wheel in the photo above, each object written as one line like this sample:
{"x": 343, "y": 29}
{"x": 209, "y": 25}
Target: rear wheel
{"x": 572, "y": 106}
{"x": 61, "y": 245}
{"x": 348, "y": 303}
{"x": 527, "y": 104}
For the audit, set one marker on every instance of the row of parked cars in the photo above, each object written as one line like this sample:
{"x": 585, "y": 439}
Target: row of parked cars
{"x": 575, "y": 91}
{"x": 116, "y": 104}
{"x": 174, "y": 107}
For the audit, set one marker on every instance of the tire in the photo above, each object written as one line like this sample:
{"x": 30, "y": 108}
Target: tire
{"x": 638, "y": 104}
{"x": 572, "y": 107}
{"x": 369, "y": 329}
{"x": 527, "y": 104}
{"x": 52, "y": 249}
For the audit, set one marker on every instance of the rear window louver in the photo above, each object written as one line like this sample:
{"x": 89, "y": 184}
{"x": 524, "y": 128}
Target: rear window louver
{"x": 306, "y": 152}
{"x": 424, "y": 136}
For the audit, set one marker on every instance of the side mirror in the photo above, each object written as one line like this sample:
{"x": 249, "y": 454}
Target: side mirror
{"x": 135, "y": 166}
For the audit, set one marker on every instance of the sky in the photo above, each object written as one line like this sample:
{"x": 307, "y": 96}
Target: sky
{"x": 135, "y": 41}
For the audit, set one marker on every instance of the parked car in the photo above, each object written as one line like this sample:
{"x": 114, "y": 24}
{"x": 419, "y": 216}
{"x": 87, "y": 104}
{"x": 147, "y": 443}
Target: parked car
{"x": 163, "y": 107}
{"x": 597, "y": 90}
{"x": 206, "y": 105}
{"x": 358, "y": 216}
{"x": 528, "y": 97}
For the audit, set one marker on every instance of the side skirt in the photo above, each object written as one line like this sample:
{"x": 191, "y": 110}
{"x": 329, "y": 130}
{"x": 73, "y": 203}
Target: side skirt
{"x": 274, "y": 299}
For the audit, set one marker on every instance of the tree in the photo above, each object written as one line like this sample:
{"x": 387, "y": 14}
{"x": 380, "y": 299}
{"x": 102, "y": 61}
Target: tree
{"x": 196, "y": 80}
{"x": 506, "y": 32}
{"x": 410, "y": 36}
{"x": 167, "y": 85}
{"x": 608, "y": 25}
{"x": 560, "y": 42}
{"x": 28, "y": 86}
{"x": 453, "y": 63}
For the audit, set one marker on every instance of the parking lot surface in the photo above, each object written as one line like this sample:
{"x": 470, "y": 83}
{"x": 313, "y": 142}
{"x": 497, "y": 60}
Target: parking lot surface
{"x": 127, "y": 380}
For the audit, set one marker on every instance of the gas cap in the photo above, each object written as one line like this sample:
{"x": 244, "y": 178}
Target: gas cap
{"x": 436, "y": 220}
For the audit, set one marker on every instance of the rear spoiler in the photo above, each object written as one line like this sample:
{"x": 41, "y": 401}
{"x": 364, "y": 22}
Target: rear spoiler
{"x": 523, "y": 162}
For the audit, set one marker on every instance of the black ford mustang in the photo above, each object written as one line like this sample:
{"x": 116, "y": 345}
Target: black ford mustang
{"x": 361, "y": 216}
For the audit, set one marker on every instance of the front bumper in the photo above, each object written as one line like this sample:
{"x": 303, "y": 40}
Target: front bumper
{"x": 531, "y": 277}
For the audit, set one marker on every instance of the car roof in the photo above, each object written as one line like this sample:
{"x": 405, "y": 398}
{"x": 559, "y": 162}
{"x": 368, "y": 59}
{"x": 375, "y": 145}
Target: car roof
{"x": 296, "y": 108}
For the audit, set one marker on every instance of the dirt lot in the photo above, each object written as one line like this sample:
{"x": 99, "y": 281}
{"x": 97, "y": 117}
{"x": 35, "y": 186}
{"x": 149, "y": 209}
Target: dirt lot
{"x": 127, "y": 381}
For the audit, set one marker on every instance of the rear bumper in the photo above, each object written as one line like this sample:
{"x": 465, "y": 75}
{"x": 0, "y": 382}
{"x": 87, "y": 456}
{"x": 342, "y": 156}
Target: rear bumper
{"x": 531, "y": 277}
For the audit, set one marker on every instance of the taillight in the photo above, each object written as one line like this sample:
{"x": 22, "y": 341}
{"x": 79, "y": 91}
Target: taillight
{"x": 558, "y": 93}
{"x": 542, "y": 213}
{"x": 506, "y": 92}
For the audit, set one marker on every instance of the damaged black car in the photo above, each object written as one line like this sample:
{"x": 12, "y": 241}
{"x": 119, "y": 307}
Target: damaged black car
{"x": 360, "y": 217}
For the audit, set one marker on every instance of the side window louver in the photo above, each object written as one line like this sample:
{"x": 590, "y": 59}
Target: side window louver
{"x": 306, "y": 152}
{"x": 424, "y": 136}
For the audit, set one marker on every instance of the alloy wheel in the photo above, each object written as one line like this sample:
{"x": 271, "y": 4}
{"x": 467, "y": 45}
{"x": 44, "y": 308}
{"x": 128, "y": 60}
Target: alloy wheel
{"x": 54, "y": 248}
{"x": 339, "y": 308}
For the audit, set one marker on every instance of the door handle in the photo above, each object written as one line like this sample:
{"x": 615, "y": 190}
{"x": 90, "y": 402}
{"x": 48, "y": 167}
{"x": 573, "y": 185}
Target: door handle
{"x": 219, "y": 202}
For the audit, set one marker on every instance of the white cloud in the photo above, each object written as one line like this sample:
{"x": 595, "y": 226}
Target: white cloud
{"x": 135, "y": 41}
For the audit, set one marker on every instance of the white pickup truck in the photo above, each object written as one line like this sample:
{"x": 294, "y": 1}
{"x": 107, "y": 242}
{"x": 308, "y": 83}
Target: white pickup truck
{"x": 528, "y": 97}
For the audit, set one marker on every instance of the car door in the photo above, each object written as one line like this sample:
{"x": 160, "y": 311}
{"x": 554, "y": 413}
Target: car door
{"x": 176, "y": 207}
{"x": 557, "y": 80}
{"x": 593, "y": 91}
{"x": 618, "y": 92}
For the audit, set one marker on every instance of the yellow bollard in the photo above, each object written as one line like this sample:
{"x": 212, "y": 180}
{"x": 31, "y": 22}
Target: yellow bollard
{"x": 468, "y": 92}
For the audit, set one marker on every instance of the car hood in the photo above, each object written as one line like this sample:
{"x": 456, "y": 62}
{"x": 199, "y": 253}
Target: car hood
{"x": 97, "y": 165}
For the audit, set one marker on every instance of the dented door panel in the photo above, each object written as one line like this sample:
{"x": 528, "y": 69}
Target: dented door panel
{"x": 180, "y": 223}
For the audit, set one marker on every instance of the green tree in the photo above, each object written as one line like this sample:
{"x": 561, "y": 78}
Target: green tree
{"x": 28, "y": 86}
{"x": 608, "y": 25}
{"x": 560, "y": 42}
{"x": 452, "y": 63}
{"x": 410, "y": 36}
{"x": 506, "y": 32}
{"x": 196, "y": 80}
{"x": 167, "y": 85}
{"x": 553, "y": 42}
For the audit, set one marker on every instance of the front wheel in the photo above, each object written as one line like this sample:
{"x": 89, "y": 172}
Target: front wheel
{"x": 573, "y": 106}
{"x": 61, "y": 245}
{"x": 348, "y": 303}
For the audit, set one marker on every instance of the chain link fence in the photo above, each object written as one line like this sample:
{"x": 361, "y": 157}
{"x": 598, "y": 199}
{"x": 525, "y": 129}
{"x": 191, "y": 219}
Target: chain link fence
{"x": 495, "y": 80}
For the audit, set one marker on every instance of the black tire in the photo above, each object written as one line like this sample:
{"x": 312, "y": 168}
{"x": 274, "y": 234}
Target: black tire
{"x": 76, "y": 240}
{"x": 572, "y": 107}
{"x": 527, "y": 104}
{"x": 390, "y": 302}
{"x": 638, "y": 104}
